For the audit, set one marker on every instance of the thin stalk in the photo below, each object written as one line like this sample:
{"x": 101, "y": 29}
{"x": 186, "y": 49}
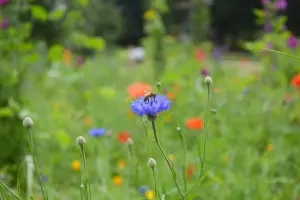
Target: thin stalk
{"x": 184, "y": 159}
{"x": 166, "y": 158}
{"x": 9, "y": 190}
{"x": 44, "y": 190}
{"x": 86, "y": 184}
{"x": 155, "y": 183}
{"x": 281, "y": 53}
{"x": 204, "y": 146}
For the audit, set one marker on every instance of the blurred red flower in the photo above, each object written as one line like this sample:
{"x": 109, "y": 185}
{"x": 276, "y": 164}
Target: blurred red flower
{"x": 138, "y": 89}
{"x": 194, "y": 123}
{"x": 200, "y": 55}
{"x": 123, "y": 137}
{"x": 296, "y": 81}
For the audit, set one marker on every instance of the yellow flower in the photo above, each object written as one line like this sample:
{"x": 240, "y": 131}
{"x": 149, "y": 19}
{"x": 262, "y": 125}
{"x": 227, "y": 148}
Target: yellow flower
{"x": 121, "y": 164}
{"x": 171, "y": 157}
{"x": 269, "y": 148}
{"x": 149, "y": 195}
{"x": 149, "y": 14}
{"x": 76, "y": 165}
{"x": 117, "y": 180}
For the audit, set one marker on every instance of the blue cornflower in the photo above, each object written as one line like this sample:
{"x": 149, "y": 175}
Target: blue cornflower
{"x": 151, "y": 106}
{"x": 96, "y": 132}
{"x": 143, "y": 189}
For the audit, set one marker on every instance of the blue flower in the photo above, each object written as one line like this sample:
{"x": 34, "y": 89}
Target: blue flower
{"x": 150, "y": 107}
{"x": 96, "y": 132}
{"x": 143, "y": 189}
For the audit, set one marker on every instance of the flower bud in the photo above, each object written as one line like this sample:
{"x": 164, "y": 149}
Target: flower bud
{"x": 27, "y": 122}
{"x": 178, "y": 129}
{"x": 208, "y": 80}
{"x": 80, "y": 140}
{"x": 129, "y": 141}
{"x": 151, "y": 163}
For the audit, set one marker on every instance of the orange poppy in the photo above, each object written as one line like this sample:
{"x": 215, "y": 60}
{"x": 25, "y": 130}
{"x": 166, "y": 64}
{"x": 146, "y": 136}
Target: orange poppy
{"x": 137, "y": 90}
{"x": 67, "y": 56}
{"x": 171, "y": 95}
{"x": 194, "y": 123}
{"x": 87, "y": 121}
{"x": 296, "y": 81}
{"x": 123, "y": 137}
{"x": 190, "y": 170}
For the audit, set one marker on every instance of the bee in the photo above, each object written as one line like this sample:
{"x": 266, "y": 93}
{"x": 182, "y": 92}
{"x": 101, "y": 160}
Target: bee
{"x": 149, "y": 95}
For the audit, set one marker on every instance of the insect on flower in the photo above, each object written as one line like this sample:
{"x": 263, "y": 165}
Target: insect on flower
{"x": 148, "y": 95}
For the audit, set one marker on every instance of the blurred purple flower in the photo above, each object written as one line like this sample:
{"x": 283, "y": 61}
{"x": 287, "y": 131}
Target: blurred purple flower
{"x": 143, "y": 189}
{"x": 292, "y": 42}
{"x": 264, "y": 2}
{"x": 268, "y": 28}
{"x": 217, "y": 54}
{"x": 3, "y": 2}
{"x": 4, "y": 24}
{"x": 80, "y": 60}
{"x": 281, "y": 4}
{"x": 204, "y": 72}
{"x": 269, "y": 45}
{"x": 96, "y": 132}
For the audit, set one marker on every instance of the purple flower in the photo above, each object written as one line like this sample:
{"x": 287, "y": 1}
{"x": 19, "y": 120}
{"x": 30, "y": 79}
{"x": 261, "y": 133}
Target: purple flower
{"x": 151, "y": 106}
{"x": 4, "y": 24}
{"x": 268, "y": 28}
{"x": 217, "y": 54}
{"x": 96, "y": 132}
{"x": 292, "y": 42}
{"x": 281, "y": 4}
{"x": 204, "y": 72}
{"x": 269, "y": 45}
{"x": 3, "y": 2}
{"x": 80, "y": 60}
{"x": 264, "y": 2}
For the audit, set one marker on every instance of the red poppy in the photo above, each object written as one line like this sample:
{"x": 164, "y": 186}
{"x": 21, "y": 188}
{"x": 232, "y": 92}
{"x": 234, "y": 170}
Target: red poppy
{"x": 194, "y": 123}
{"x": 296, "y": 81}
{"x": 190, "y": 170}
{"x": 200, "y": 55}
{"x": 123, "y": 137}
{"x": 137, "y": 90}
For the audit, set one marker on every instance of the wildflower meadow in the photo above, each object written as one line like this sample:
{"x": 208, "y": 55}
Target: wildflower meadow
{"x": 184, "y": 120}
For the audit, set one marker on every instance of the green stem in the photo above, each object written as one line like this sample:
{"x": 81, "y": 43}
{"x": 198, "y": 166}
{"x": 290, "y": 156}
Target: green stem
{"x": 32, "y": 149}
{"x": 9, "y": 190}
{"x": 86, "y": 184}
{"x": 166, "y": 158}
{"x": 184, "y": 159}
{"x": 281, "y": 53}
{"x": 155, "y": 183}
{"x": 204, "y": 146}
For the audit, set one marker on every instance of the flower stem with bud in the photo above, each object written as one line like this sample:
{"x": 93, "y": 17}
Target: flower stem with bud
{"x": 166, "y": 158}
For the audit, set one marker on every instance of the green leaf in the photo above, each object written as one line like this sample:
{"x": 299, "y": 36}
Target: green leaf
{"x": 55, "y": 52}
{"x": 6, "y": 112}
{"x": 56, "y": 14}
{"x": 95, "y": 43}
{"x": 31, "y": 58}
{"x": 39, "y": 13}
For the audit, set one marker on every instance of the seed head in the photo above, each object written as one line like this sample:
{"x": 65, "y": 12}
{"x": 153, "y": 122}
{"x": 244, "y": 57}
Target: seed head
{"x": 151, "y": 163}
{"x": 27, "y": 122}
{"x": 80, "y": 140}
{"x": 208, "y": 80}
{"x": 129, "y": 141}
{"x": 178, "y": 128}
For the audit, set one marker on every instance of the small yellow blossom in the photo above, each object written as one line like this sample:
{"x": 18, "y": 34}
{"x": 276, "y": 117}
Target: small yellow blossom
{"x": 121, "y": 164}
{"x": 149, "y": 195}
{"x": 171, "y": 157}
{"x": 149, "y": 14}
{"x": 76, "y": 165}
{"x": 269, "y": 148}
{"x": 117, "y": 180}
